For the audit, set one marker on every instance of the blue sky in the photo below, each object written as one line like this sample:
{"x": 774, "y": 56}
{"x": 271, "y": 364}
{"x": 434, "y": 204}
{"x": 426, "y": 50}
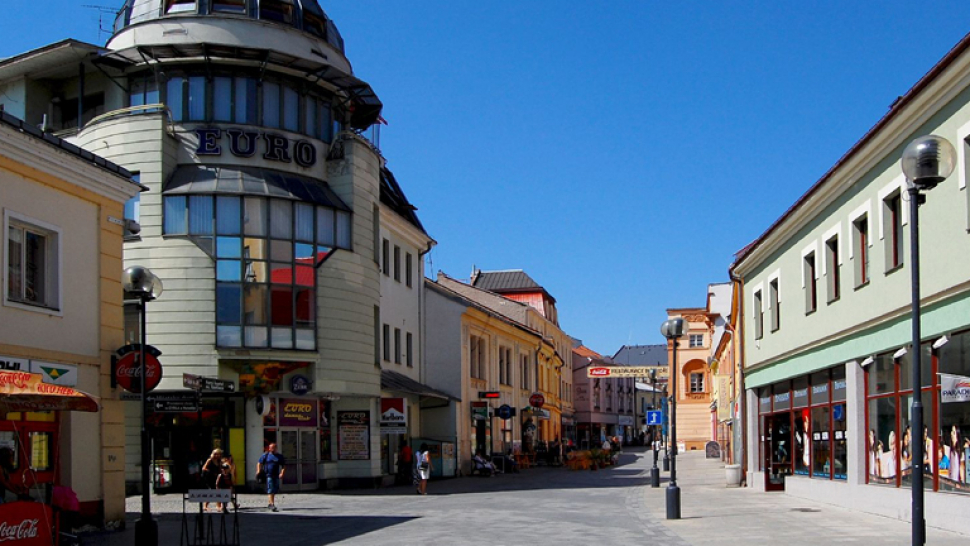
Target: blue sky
{"x": 619, "y": 152}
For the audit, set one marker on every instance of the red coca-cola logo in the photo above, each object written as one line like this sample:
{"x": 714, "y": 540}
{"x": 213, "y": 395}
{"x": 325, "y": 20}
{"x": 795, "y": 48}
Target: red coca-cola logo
{"x": 128, "y": 372}
{"x": 25, "y": 524}
{"x": 599, "y": 372}
{"x": 537, "y": 400}
{"x": 17, "y": 379}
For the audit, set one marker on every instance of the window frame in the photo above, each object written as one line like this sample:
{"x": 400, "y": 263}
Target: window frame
{"x": 759, "y": 315}
{"x": 833, "y": 275}
{"x": 861, "y": 233}
{"x": 810, "y": 271}
{"x": 893, "y": 226}
{"x": 696, "y": 387}
{"x": 774, "y": 304}
{"x": 695, "y": 340}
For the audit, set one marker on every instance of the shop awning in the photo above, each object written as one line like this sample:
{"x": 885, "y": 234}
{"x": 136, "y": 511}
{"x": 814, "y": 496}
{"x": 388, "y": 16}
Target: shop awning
{"x": 398, "y": 382}
{"x": 22, "y": 391}
{"x": 207, "y": 179}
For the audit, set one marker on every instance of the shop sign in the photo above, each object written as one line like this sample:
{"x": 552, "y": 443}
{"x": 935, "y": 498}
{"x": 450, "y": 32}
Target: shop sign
{"x": 298, "y": 412}
{"x": 244, "y": 143}
{"x": 14, "y": 364}
{"x": 300, "y": 384}
{"x": 620, "y": 371}
{"x": 54, "y": 373}
{"x": 353, "y": 435}
{"x": 26, "y": 524}
{"x": 128, "y": 370}
{"x": 394, "y": 413}
{"x": 479, "y": 411}
{"x": 954, "y": 388}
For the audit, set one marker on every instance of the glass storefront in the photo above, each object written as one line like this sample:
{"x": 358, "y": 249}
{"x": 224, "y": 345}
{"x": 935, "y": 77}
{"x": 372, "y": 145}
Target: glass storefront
{"x": 802, "y": 427}
{"x": 945, "y": 378}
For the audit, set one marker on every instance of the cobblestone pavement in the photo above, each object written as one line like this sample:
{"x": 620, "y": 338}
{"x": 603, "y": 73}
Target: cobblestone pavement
{"x": 543, "y": 506}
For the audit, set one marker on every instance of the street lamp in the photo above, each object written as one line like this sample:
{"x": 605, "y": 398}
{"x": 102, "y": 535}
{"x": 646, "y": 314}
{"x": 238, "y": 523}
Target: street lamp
{"x": 673, "y": 329}
{"x": 926, "y": 162}
{"x": 141, "y": 283}
{"x": 654, "y": 472}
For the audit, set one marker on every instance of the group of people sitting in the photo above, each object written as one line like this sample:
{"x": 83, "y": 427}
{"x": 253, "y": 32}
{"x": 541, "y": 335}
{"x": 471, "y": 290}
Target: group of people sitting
{"x": 486, "y": 467}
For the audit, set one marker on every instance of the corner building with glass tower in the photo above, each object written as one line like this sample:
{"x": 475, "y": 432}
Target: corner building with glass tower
{"x": 243, "y": 118}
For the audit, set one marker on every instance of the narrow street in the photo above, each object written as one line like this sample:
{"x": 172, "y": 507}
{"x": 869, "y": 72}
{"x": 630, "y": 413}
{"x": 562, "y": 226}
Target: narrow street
{"x": 545, "y": 505}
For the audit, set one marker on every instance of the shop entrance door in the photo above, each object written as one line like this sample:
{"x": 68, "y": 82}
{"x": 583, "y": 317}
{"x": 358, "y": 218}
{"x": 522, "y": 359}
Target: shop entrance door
{"x": 299, "y": 446}
{"x": 777, "y": 451}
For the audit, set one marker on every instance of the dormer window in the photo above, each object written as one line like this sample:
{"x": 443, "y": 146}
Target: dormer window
{"x": 180, "y": 6}
{"x": 277, "y": 10}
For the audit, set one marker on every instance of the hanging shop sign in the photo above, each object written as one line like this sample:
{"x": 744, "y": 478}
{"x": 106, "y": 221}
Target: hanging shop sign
{"x": 128, "y": 370}
{"x": 298, "y": 412}
{"x": 479, "y": 411}
{"x": 300, "y": 384}
{"x": 244, "y": 143}
{"x": 394, "y": 415}
{"x": 353, "y": 435}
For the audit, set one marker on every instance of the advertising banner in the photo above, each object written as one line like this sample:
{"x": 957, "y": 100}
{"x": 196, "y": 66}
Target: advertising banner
{"x": 954, "y": 388}
{"x": 26, "y": 523}
{"x": 394, "y": 415}
{"x": 353, "y": 435}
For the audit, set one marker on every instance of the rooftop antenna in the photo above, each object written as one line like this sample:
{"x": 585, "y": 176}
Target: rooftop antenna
{"x": 104, "y": 11}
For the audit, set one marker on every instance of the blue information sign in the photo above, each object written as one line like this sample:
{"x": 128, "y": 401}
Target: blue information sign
{"x": 504, "y": 412}
{"x": 654, "y": 417}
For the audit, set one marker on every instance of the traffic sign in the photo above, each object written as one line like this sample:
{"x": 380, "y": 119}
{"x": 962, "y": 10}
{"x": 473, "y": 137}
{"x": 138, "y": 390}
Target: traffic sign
{"x": 654, "y": 417}
{"x": 174, "y": 402}
{"x": 200, "y": 383}
{"x": 537, "y": 400}
{"x": 505, "y": 411}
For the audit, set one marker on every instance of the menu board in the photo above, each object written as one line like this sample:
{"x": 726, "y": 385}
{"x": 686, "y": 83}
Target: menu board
{"x": 353, "y": 435}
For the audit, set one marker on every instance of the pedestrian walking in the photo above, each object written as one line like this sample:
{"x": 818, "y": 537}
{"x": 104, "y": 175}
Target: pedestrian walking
{"x": 422, "y": 462}
{"x": 405, "y": 461}
{"x": 211, "y": 471}
{"x": 272, "y": 465}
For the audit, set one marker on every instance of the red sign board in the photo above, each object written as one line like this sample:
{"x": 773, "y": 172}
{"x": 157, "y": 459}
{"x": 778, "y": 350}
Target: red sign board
{"x": 599, "y": 372}
{"x": 128, "y": 369}
{"x": 537, "y": 400}
{"x": 26, "y": 524}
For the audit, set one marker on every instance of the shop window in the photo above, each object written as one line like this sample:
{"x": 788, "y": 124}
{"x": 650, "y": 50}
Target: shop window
{"x": 833, "y": 280}
{"x": 281, "y": 11}
{"x": 229, "y": 6}
{"x": 809, "y": 274}
{"x": 821, "y": 459}
{"x": 180, "y": 6}
{"x": 33, "y": 270}
{"x": 893, "y": 229}
{"x": 954, "y": 414}
{"x": 860, "y": 243}
{"x": 326, "y": 438}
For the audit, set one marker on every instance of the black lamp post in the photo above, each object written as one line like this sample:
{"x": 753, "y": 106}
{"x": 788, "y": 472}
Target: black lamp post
{"x": 926, "y": 162}
{"x": 673, "y": 329}
{"x": 654, "y": 472}
{"x": 664, "y": 443}
{"x": 141, "y": 283}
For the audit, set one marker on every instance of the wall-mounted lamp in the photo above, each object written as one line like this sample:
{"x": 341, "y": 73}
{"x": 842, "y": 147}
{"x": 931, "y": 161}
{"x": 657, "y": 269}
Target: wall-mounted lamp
{"x": 900, "y": 353}
{"x": 867, "y": 361}
{"x": 941, "y": 342}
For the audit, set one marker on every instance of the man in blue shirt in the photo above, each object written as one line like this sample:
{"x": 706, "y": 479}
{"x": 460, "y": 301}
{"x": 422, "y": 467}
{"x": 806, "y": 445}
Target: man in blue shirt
{"x": 272, "y": 463}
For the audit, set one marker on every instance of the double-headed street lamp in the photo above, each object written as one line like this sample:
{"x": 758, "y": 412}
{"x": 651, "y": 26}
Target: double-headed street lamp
{"x": 141, "y": 283}
{"x": 926, "y": 162}
{"x": 673, "y": 329}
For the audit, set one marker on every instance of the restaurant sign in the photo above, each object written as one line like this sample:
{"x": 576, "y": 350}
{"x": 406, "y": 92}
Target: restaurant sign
{"x": 298, "y": 412}
{"x": 620, "y": 371}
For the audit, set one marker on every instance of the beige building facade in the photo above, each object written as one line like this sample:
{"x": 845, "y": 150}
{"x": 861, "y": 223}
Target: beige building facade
{"x": 695, "y": 420}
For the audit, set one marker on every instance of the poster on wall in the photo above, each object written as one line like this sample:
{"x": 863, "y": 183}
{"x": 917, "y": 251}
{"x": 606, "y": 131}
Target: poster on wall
{"x": 394, "y": 415}
{"x": 353, "y": 435}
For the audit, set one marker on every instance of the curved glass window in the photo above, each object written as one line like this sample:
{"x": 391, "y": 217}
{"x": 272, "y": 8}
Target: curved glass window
{"x": 229, "y": 6}
{"x": 266, "y": 252}
{"x": 277, "y": 10}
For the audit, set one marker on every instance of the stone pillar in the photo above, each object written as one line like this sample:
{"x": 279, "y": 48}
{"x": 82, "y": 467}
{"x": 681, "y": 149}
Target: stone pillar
{"x": 855, "y": 422}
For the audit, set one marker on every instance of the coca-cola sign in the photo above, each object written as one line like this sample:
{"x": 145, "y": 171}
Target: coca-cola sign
{"x": 25, "y": 523}
{"x": 128, "y": 369}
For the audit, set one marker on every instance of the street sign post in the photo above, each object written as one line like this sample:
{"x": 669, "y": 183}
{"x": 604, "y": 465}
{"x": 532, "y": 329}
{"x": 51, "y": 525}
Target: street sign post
{"x": 654, "y": 417}
{"x": 175, "y": 402}
{"x": 200, "y": 383}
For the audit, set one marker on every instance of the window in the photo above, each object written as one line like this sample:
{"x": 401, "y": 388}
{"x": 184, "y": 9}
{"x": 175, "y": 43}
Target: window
{"x": 696, "y": 340}
{"x": 277, "y": 10}
{"x": 386, "y": 256}
{"x": 179, "y": 6}
{"x": 266, "y": 253}
{"x": 32, "y": 263}
{"x": 314, "y": 24}
{"x": 408, "y": 268}
{"x": 524, "y": 362}
{"x": 377, "y": 335}
{"x": 833, "y": 280}
{"x": 477, "y": 357}
{"x": 410, "y": 349}
{"x": 759, "y": 316}
{"x": 271, "y": 104}
{"x": 774, "y": 305}
{"x": 860, "y": 243}
{"x": 397, "y": 263}
{"x": 505, "y": 365}
{"x": 142, "y": 90}
{"x": 230, "y": 6}
{"x": 697, "y": 382}
{"x": 893, "y": 228}
{"x": 387, "y": 342}
{"x": 397, "y": 345}
{"x": 811, "y": 296}
{"x": 93, "y": 105}
{"x": 133, "y": 210}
